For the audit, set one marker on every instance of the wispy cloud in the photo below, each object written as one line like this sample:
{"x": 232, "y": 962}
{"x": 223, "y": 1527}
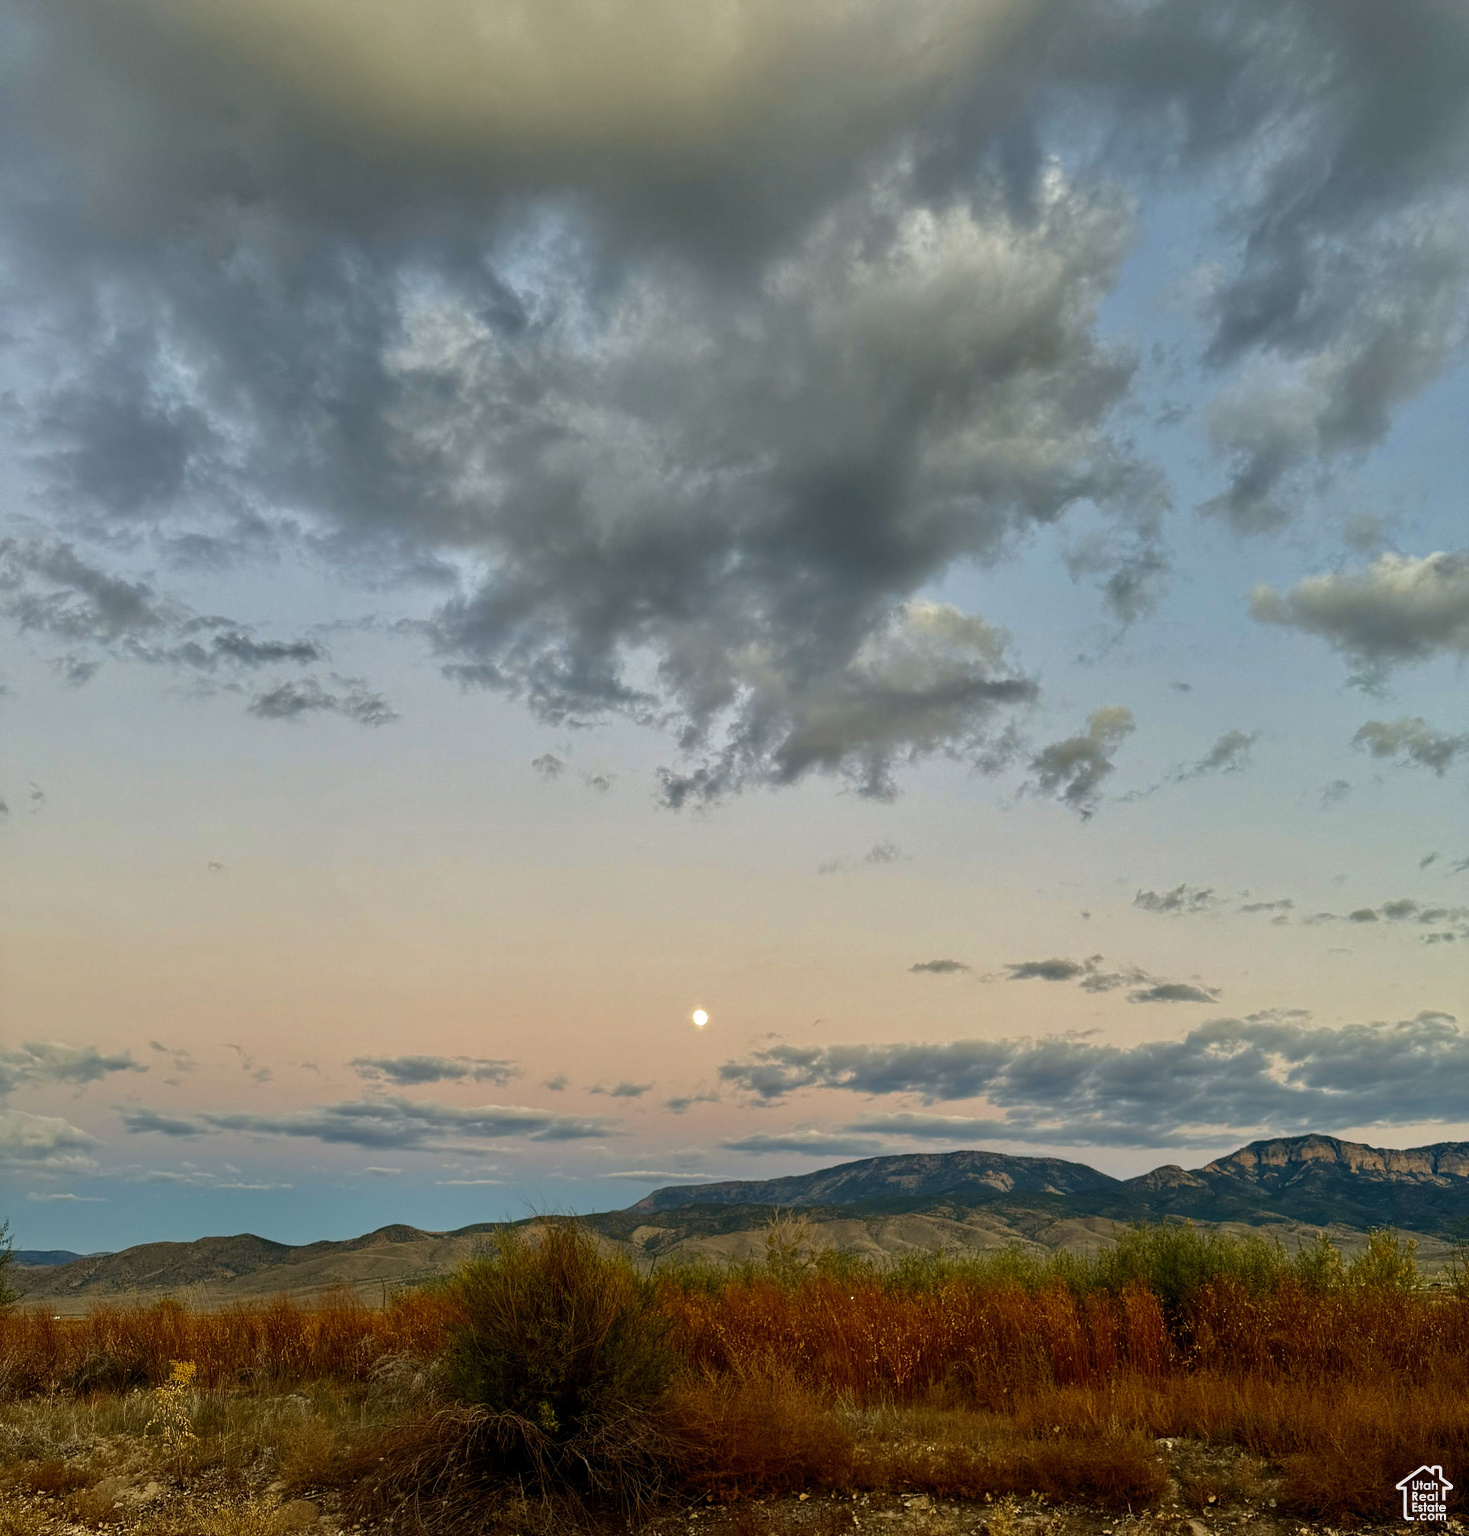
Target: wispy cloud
{"x": 388, "y": 1122}
{"x": 409, "y": 1071}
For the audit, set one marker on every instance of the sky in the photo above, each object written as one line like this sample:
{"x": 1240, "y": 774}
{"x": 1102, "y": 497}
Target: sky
{"x": 930, "y": 534}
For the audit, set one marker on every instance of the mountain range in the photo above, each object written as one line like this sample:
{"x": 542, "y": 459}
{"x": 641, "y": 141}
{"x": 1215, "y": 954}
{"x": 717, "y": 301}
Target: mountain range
{"x": 1295, "y": 1186}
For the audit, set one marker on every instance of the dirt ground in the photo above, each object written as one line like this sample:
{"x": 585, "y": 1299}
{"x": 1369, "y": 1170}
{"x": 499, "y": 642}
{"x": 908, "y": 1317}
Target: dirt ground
{"x": 113, "y": 1487}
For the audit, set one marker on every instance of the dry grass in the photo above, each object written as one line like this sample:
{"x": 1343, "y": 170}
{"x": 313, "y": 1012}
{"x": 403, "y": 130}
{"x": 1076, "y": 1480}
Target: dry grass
{"x": 965, "y": 1381}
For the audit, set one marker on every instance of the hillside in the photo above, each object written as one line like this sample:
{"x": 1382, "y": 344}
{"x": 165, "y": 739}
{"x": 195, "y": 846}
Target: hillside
{"x": 923, "y": 1175}
{"x": 1314, "y": 1179}
{"x": 879, "y": 1207}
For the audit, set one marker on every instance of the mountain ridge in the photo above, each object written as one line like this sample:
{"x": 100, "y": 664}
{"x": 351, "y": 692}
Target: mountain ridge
{"x": 958, "y": 1200}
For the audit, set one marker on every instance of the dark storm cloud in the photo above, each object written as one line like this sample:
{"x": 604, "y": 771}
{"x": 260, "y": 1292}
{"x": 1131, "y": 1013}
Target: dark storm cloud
{"x": 1412, "y": 740}
{"x": 409, "y": 1071}
{"x": 441, "y": 304}
{"x": 49, "y": 1061}
{"x": 1180, "y": 900}
{"x": 938, "y": 967}
{"x": 1399, "y": 609}
{"x": 293, "y": 700}
{"x": 400, "y": 1123}
{"x": 1268, "y": 1073}
{"x": 1073, "y": 770}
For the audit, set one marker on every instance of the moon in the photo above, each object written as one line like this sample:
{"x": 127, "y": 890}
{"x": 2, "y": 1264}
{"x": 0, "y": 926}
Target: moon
{"x": 700, "y": 1017}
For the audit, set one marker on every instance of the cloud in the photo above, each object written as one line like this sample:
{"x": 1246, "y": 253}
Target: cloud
{"x": 43, "y": 1144}
{"x": 1230, "y": 754}
{"x": 409, "y": 1071}
{"x": 1283, "y": 905}
{"x": 1174, "y": 992}
{"x": 179, "y": 1060}
{"x": 436, "y": 303}
{"x": 48, "y": 587}
{"x": 145, "y": 1121}
{"x": 293, "y": 700}
{"x": 248, "y": 1066}
{"x": 76, "y": 671}
{"x": 1073, "y": 770}
{"x": 1092, "y": 976}
{"x": 938, "y": 967}
{"x": 410, "y": 1125}
{"x": 1413, "y": 740}
{"x": 1269, "y": 1073}
{"x": 1180, "y": 900}
{"x": 678, "y": 1105}
{"x": 807, "y": 1143}
{"x": 548, "y": 766}
{"x": 69, "y": 1198}
{"x": 1399, "y": 609}
{"x": 883, "y": 853}
{"x": 623, "y": 1090}
{"x": 1334, "y": 793}
{"x": 49, "y": 1061}
{"x": 1047, "y": 970}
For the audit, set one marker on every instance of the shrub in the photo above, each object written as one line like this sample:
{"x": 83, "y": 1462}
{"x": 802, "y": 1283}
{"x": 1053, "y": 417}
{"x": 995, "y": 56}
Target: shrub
{"x": 562, "y": 1349}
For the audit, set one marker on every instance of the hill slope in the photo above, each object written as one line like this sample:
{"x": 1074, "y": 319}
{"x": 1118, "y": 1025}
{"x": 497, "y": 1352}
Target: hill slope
{"x": 957, "y": 1201}
{"x": 922, "y": 1175}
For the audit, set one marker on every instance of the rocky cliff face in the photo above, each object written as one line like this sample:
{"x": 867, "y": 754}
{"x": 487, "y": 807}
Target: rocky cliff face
{"x": 1288, "y": 1159}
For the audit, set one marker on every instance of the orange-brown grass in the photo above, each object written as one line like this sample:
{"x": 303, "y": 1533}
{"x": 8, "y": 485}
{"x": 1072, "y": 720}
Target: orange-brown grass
{"x": 1053, "y": 1381}
{"x": 270, "y": 1343}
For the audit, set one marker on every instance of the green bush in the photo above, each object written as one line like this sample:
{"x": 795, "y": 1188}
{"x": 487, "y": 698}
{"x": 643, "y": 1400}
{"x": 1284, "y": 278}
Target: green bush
{"x": 562, "y": 1349}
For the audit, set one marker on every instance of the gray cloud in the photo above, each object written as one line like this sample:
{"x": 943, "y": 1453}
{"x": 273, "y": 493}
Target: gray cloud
{"x": 938, "y": 967}
{"x": 440, "y": 310}
{"x": 1281, "y": 906}
{"x": 678, "y": 1105}
{"x": 293, "y": 700}
{"x": 1180, "y": 900}
{"x": 1073, "y": 769}
{"x": 1270, "y": 1073}
{"x": 1230, "y": 754}
{"x": 1334, "y": 793}
{"x": 1398, "y": 609}
{"x": 401, "y": 1123}
{"x": 623, "y": 1090}
{"x": 1047, "y": 970}
{"x": 143, "y": 1121}
{"x": 76, "y": 671}
{"x": 1174, "y": 992}
{"x": 548, "y": 765}
{"x": 49, "y": 1061}
{"x": 46, "y": 586}
{"x": 1092, "y": 976}
{"x": 410, "y": 1071}
{"x": 1413, "y": 740}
